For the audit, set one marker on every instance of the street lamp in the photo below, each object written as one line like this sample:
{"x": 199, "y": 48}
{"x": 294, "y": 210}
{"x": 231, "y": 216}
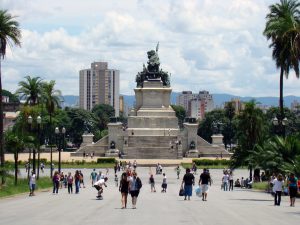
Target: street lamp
{"x": 280, "y": 124}
{"x": 60, "y": 140}
{"x": 30, "y": 120}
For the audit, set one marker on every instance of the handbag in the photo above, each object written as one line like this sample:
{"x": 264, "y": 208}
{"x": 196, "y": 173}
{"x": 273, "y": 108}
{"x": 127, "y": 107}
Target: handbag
{"x": 181, "y": 192}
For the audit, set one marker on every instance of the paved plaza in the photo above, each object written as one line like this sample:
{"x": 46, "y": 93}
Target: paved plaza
{"x": 239, "y": 207}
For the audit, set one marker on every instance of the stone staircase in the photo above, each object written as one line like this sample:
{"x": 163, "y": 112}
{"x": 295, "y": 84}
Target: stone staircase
{"x": 99, "y": 148}
{"x": 206, "y": 149}
{"x": 151, "y": 147}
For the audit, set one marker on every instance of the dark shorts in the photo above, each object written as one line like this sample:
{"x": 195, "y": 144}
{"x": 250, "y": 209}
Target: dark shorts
{"x": 134, "y": 193}
{"x": 32, "y": 187}
{"x": 293, "y": 192}
{"x": 164, "y": 185}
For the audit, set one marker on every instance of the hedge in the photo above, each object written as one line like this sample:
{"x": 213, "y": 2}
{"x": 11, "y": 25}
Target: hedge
{"x": 106, "y": 160}
{"x": 211, "y": 162}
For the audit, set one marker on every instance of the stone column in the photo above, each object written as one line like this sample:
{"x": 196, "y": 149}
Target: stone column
{"x": 115, "y": 133}
{"x": 87, "y": 139}
{"x": 217, "y": 139}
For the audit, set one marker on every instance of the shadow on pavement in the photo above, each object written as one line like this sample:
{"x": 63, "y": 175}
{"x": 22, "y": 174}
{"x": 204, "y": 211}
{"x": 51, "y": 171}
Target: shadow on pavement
{"x": 254, "y": 200}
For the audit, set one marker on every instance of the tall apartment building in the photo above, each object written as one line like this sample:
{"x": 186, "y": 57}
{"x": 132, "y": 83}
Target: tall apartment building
{"x": 99, "y": 85}
{"x": 196, "y": 105}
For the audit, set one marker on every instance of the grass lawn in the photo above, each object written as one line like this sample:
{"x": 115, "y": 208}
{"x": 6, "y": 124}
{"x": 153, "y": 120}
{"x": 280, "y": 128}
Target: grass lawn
{"x": 86, "y": 165}
{"x": 263, "y": 186}
{"x": 10, "y": 189}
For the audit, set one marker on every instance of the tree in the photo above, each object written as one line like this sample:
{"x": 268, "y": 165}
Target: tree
{"x": 31, "y": 90}
{"x": 51, "y": 99}
{"x": 12, "y": 97}
{"x": 102, "y": 114}
{"x": 283, "y": 29}
{"x": 180, "y": 114}
{"x": 205, "y": 129}
{"x": 229, "y": 113}
{"x": 9, "y": 34}
{"x": 251, "y": 129}
{"x": 14, "y": 143}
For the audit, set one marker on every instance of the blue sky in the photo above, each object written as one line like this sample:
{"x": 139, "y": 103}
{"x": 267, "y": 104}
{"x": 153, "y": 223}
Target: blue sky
{"x": 206, "y": 45}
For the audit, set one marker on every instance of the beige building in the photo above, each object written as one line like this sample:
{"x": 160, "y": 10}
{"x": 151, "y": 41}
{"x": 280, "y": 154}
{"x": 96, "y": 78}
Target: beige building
{"x": 99, "y": 85}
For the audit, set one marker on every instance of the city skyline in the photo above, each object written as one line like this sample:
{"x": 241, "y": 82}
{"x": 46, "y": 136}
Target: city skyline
{"x": 205, "y": 45}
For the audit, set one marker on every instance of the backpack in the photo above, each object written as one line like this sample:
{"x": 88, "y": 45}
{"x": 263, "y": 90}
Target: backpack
{"x": 139, "y": 183}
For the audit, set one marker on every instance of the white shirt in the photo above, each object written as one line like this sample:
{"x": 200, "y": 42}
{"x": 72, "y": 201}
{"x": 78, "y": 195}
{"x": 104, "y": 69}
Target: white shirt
{"x": 32, "y": 179}
{"x": 100, "y": 182}
{"x": 277, "y": 185}
{"x": 226, "y": 178}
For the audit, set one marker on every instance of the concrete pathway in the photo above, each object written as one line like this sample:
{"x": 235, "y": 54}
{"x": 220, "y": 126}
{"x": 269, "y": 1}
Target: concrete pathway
{"x": 239, "y": 207}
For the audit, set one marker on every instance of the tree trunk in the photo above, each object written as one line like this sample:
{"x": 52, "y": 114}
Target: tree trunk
{"x": 250, "y": 173}
{"x": 29, "y": 166}
{"x": 51, "y": 169}
{"x": 39, "y": 157}
{"x": 1, "y": 129}
{"x": 281, "y": 95}
{"x": 16, "y": 156}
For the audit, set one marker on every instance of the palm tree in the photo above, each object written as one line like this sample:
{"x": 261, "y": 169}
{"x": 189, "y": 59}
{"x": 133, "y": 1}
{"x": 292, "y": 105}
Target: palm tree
{"x": 9, "y": 34}
{"x": 283, "y": 29}
{"x": 51, "y": 99}
{"x": 31, "y": 90}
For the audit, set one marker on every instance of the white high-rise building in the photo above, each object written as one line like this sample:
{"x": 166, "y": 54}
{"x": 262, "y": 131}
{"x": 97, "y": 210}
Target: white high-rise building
{"x": 196, "y": 105}
{"x": 99, "y": 85}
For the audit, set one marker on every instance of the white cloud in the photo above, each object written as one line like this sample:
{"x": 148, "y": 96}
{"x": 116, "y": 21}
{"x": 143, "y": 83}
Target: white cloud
{"x": 213, "y": 45}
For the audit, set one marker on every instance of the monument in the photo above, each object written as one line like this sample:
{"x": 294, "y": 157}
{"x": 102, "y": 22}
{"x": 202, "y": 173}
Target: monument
{"x": 152, "y": 131}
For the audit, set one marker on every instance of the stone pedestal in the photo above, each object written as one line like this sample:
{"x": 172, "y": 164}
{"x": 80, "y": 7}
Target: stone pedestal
{"x": 112, "y": 153}
{"x": 217, "y": 139}
{"x": 87, "y": 139}
{"x": 190, "y": 147}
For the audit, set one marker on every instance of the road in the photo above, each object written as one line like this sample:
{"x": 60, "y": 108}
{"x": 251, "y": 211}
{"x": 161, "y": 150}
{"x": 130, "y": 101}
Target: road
{"x": 239, "y": 207}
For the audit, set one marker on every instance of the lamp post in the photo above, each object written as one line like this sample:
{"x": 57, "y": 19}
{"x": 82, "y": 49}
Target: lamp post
{"x": 280, "y": 124}
{"x": 60, "y": 140}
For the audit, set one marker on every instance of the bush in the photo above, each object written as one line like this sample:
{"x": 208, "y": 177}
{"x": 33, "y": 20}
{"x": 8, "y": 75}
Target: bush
{"x": 106, "y": 160}
{"x": 211, "y": 162}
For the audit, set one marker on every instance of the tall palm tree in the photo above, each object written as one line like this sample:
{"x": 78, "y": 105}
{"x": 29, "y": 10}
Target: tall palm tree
{"x": 51, "y": 99}
{"x": 31, "y": 90}
{"x": 9, "y": 34}
{"x": 283, "y": 29}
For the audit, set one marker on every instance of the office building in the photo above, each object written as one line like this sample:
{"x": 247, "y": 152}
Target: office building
{"x": 99, "y": 85}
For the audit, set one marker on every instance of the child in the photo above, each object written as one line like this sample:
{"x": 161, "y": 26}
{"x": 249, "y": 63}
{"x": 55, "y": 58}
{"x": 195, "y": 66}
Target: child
{"x": 152, "y": 183}
{"x": 65, "y": 181}
{"x": 116, "y": 180}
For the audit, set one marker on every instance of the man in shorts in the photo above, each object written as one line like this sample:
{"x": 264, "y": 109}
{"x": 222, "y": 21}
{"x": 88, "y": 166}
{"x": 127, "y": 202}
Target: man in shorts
{"x": 99, "y": 186}
{"x": 204, "y": 180}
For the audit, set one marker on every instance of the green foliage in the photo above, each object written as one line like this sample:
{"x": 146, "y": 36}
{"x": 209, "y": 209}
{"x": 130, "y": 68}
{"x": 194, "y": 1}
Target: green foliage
{"x": 30, "y": 90}
{"x": 106, "y": 160}
{"x": 263, "y": 186}
{"x": 251, "y": 130}
{"x": 211, "y": 162}
{"x": 12, "y": 97}
{"x": 10, "y": 189}
{"x": 205, "y": 129}
{"x": 102, "y": 113}
{"x": 180, "y": 113}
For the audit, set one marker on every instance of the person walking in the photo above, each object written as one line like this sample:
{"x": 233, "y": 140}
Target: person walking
{"x": 93, "y": 176}
{"x": 293, "y": 189}
{"x": 32, "y": 183}
{"x": 231, "y": 180}
{"x": 135, "y": 184}
{"x": 152, "y": 183}
{"x": 123, "y": 188}
{"x": 188, "y": 181}
{"x": 55, "y": 180}
{"x": 70, "y": 180}
{"x": 178, "y": 171}
{"x": 204, "y": 180}
{"x": 77, "y": 181}
{"x": 277, "y": 189}
{"x": 225, "y": 180}
{"x": 164, "y": 183}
